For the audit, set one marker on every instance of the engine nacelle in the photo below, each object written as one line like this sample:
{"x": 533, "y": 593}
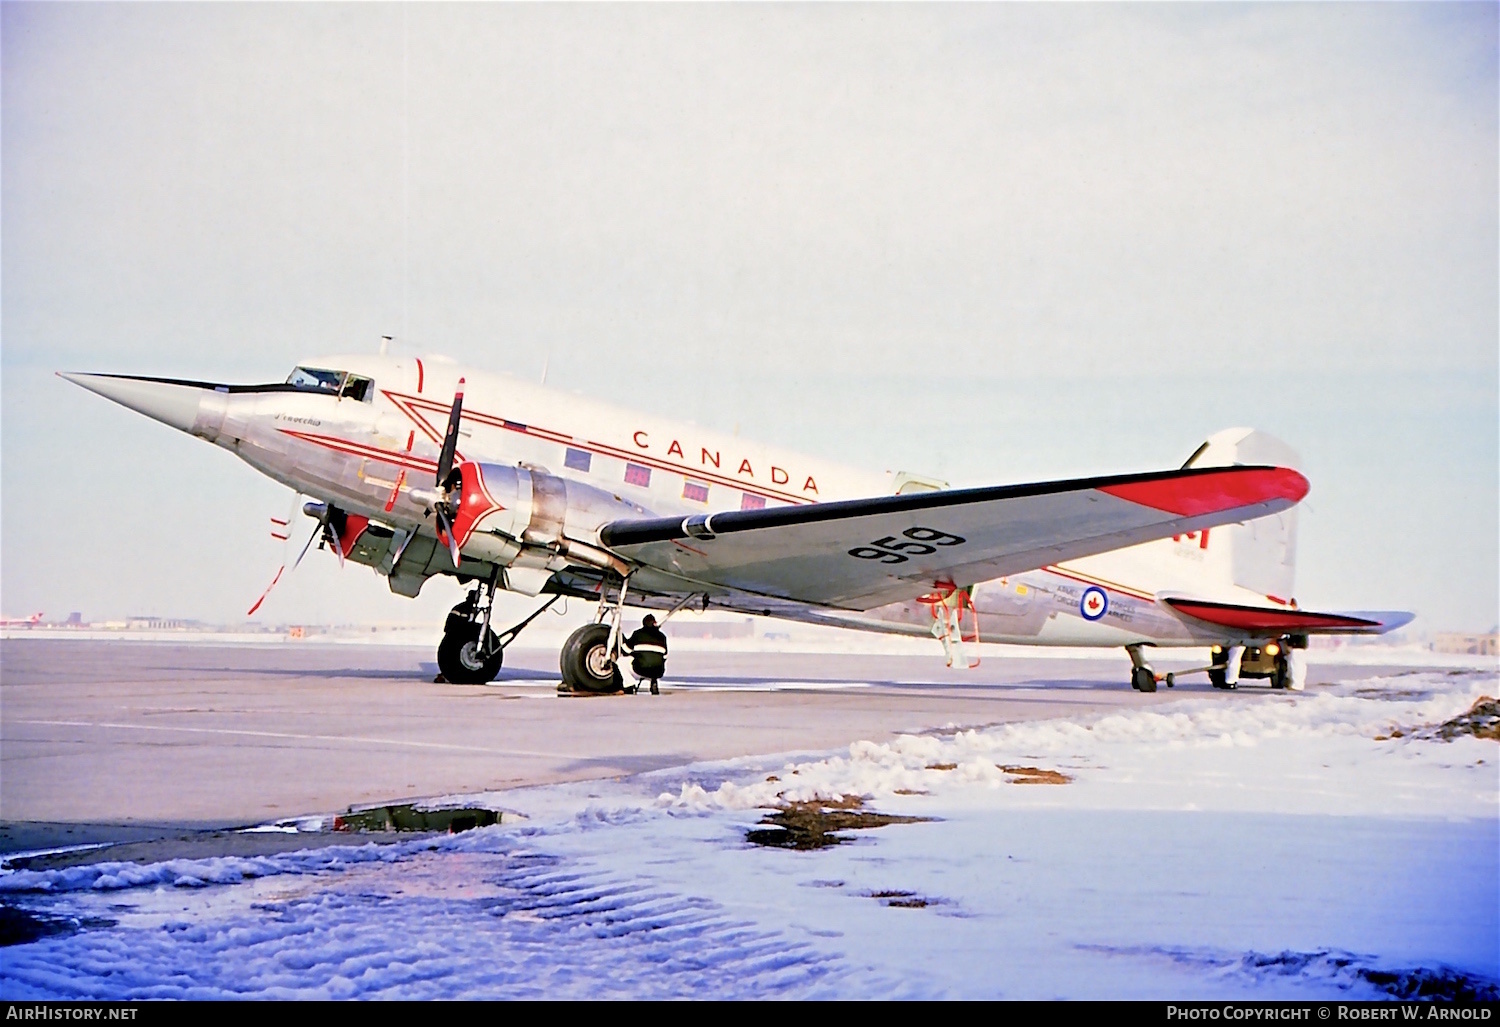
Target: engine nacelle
{"x": 514, "y": 515}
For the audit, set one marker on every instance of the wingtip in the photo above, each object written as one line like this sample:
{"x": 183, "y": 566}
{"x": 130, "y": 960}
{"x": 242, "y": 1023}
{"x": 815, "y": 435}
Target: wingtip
{"x": 1195, "y": 493}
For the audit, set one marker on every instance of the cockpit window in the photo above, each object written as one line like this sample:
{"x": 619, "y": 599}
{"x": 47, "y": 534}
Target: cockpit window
{"x": 334, "y": 383}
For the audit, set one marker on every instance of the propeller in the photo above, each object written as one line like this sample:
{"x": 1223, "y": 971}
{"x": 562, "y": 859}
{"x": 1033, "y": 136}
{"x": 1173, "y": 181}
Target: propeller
{"x": 328, "y": 518}
{"x": 281, "y": 530}
{"x": 443, "y": 509}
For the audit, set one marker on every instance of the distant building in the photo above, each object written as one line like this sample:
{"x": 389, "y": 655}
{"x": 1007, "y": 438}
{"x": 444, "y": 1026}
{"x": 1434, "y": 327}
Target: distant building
{"x": 75, "y": 620}
{"x": 1470, "y": 645}
{"x": 155, "y": 624}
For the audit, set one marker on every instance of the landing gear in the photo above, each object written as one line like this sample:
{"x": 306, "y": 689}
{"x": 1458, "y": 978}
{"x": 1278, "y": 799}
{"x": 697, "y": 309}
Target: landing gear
{"x": 587, "y": 661}
{"x": 591, "y": 656}
{"x": 462, "y": 658}
{"x": 463, "y": 661}
{"x": 1142, "y": 677}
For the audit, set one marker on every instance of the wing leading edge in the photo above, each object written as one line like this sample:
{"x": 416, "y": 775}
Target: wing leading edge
{"x": 860, "y": 554}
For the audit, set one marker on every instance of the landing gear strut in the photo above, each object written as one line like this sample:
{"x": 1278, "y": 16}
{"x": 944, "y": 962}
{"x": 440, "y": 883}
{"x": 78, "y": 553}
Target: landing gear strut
{"x": 1142, "y": 677}
{"x": 463, "y": 659}
{"x": 590, "y": 657}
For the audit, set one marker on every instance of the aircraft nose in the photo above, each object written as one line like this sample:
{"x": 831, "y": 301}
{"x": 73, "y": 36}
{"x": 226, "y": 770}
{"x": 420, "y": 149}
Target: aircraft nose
{"x": 170, "y": 402}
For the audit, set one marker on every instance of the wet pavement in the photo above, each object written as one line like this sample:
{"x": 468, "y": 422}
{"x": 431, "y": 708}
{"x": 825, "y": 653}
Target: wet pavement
{"x": 150, "y": 743}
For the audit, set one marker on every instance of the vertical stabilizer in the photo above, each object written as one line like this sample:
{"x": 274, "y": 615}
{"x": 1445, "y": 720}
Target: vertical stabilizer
{"x": 1262, "y": 554}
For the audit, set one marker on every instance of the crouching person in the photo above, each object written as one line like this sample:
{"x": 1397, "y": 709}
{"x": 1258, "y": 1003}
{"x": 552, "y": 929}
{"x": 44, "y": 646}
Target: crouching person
{"x": 648, "y": 653}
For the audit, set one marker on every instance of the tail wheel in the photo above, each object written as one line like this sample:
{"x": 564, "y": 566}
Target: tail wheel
{"x": 459, "y": 657}
{"x": 586, "y": 663}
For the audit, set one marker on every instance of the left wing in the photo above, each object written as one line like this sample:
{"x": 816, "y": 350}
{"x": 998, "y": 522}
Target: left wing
{"x": 864, "y": 553}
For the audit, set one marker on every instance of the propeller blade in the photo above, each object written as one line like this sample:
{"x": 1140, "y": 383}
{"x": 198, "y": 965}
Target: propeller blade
{"x": 333, "y": 538}
{"x": 445, "y": 532}
{"x": 450, "y": 440}
{"x": 279, "y": 571}
{"x": 281, "y": 531}
{"x": 317, "y": 528}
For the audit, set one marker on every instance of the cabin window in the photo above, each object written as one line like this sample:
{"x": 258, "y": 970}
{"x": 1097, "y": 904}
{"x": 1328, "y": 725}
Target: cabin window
{"x": 578, "y": 459}
{"x": 333, "y": 383}
{"x": 750, "y": 502}
{"x": 635, "y": 474}
{"x": 695, "y": 490}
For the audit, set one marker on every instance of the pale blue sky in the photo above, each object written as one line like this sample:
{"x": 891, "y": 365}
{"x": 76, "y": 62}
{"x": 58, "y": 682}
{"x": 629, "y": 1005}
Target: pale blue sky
{"x": 1000, "y": 242}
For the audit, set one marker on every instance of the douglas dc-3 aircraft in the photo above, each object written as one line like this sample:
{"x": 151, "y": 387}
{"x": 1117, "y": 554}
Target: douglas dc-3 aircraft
{"x": 420, "y": 468}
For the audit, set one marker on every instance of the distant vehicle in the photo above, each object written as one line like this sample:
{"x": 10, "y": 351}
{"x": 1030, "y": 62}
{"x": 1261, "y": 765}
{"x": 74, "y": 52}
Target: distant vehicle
{"x": 421, "y": 468}
{"x": 21, "y": 622}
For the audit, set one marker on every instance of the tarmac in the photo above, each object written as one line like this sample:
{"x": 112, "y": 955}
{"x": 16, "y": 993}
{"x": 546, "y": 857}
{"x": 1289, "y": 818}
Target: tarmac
{"x": 168, "y": 749}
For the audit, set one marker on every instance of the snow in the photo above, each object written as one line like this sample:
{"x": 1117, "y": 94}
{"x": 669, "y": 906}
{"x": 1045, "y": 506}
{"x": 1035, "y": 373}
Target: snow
{"x": 1231, "y": 847}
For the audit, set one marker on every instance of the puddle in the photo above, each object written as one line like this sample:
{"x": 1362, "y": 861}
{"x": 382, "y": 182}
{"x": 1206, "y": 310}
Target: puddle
{"x": 19, "y": 926}
{"x": 815, "y": 824}
{"x": 900, "y": 899}
{"x": 409, "y": 817}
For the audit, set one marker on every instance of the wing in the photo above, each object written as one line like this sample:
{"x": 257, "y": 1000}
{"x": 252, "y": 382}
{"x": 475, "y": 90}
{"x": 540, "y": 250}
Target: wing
{"x": 865, "y": 553}
{"x": 1278, "y": 620}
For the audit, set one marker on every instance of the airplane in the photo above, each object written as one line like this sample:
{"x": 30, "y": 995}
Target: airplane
{"x": 418, "y": 467}
{"x": 21, "y": 622}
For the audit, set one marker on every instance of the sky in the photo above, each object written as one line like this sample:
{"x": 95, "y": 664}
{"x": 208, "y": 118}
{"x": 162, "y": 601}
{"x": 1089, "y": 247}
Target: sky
{"x": 997, "y": 243}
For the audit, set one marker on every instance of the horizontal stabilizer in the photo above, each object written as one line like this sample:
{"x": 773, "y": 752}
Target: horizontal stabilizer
{"x": 1284, "y": 619}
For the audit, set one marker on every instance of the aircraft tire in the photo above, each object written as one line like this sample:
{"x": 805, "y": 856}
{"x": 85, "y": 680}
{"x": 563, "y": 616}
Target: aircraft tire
{"x": 585, "y": 661}
{"x": 1143, "y": 679}
{"x": 458, "y": 656}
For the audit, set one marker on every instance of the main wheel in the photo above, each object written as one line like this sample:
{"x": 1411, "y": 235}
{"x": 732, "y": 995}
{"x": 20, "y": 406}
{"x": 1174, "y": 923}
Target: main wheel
{"x": 460, "y": 660}
{"x": 1143, "y": 679}
{"x": 585, "y": 660}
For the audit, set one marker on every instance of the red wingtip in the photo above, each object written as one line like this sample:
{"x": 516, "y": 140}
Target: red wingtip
{"x": 1196, "y": 494}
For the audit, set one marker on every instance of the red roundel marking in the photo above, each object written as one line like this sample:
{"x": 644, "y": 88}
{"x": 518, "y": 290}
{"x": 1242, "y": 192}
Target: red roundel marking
{"x": 1229, "y": 489}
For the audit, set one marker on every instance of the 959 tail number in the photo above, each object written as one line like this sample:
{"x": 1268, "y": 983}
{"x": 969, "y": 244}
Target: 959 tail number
{"x": 911, "y": 542}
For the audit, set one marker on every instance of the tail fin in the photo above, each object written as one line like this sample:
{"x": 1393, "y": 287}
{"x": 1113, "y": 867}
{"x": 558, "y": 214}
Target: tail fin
{"x": 1261, "y": 554}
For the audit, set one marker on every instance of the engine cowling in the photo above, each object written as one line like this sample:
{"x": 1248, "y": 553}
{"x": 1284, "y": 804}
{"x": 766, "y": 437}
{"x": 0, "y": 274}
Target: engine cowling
{"x": 511, "y": 515}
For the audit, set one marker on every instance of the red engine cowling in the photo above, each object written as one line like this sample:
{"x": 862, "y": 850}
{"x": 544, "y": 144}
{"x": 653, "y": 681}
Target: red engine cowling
{"x": 507, "y": 514}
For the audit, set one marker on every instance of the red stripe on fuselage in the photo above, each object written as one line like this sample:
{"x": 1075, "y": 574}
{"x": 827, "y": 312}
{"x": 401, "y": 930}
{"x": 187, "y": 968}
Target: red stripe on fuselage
{"x": 410, "y": 405}
{"x": 1101, "y": 582}
{"x": 385, "y": 456}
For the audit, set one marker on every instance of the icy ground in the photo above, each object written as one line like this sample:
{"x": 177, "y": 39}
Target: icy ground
{"x": 1261, "y": 845}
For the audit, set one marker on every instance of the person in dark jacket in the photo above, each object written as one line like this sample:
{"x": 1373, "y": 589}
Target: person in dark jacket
{"x": 648, "y": 653}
